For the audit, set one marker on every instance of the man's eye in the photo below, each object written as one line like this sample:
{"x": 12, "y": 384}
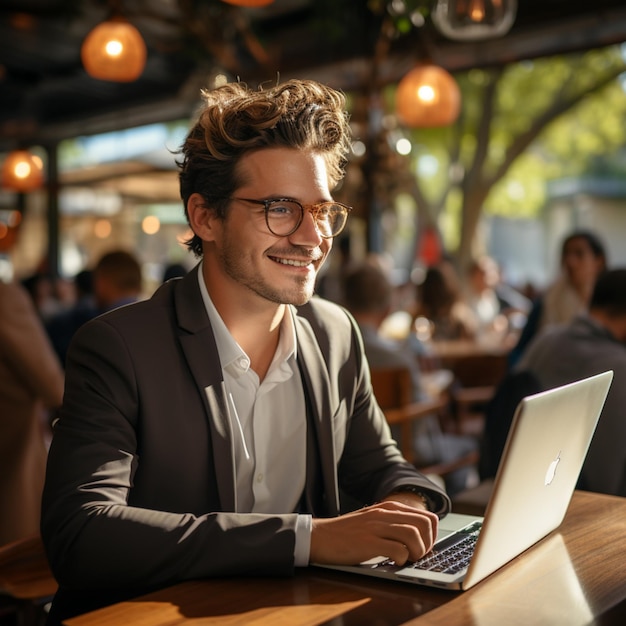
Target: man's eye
{"x": 281, "y": 209}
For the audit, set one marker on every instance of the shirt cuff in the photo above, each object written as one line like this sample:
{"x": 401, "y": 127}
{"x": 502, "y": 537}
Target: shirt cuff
{"x": 302, "y": 548}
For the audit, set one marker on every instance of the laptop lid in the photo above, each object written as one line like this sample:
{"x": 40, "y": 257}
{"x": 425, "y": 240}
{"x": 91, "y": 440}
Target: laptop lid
{"x": 542, "y": 459}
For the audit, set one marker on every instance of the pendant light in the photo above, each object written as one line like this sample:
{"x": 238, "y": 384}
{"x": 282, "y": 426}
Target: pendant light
{"x": 474, "y": 19}
{"x": 428, "y": 96}
{"x": 22, "y": 171}
{"x": 114, "y": 51}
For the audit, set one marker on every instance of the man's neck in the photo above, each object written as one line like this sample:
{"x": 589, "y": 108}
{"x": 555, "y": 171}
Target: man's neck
{"x": 253, "y": 322}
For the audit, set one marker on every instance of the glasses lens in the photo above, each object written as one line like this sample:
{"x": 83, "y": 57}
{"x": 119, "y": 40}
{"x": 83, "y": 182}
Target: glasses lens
{"x": 330, "y": 219}
{"x": 283, "y": 217}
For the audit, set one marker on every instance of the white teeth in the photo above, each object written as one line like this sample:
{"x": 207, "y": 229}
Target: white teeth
{"x": 292, "y": 262}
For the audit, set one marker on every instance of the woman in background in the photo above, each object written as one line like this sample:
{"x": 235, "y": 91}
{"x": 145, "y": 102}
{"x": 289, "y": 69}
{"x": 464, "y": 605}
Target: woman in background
{"x": 583, "y": 258}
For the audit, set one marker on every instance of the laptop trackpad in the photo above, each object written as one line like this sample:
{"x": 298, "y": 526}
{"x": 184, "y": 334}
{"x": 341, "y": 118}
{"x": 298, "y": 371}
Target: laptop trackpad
{"x": 453, "y": 522}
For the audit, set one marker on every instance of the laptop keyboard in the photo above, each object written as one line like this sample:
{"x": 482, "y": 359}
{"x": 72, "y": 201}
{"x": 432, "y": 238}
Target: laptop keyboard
{"x": 450, "y": 557}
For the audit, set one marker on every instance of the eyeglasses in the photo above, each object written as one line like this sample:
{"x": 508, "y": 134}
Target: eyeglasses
{"x": 283, "y": 216}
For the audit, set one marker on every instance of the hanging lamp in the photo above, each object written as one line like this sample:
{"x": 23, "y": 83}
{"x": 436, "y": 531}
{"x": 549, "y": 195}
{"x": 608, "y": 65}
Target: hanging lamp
{"x": 428, "y": 96}
{"x": 114, "y": 51}
{"x": 474, "y": 19}
{"x": 22, "y": 171}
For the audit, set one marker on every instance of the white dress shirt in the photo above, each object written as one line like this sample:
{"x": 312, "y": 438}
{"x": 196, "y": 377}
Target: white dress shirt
{"x": 268, "y": 422}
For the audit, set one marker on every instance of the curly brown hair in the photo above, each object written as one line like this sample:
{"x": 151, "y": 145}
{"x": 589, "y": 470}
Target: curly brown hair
{"x": 300, "y": 114}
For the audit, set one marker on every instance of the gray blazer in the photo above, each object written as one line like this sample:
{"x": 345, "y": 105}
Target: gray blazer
{"x": 140, "y": 483}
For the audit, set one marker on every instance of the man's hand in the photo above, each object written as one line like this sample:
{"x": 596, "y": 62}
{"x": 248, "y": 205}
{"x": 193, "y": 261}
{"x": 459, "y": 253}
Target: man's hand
{"x": 398, "y": 531}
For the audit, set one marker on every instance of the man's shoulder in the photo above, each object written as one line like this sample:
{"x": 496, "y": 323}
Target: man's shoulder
{"x": 323, "y": 313}
{"x": 332, "y": 326}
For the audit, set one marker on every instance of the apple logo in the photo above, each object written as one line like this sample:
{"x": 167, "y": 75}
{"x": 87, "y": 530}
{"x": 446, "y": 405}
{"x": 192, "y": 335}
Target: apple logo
{"x": 552, "y": 470}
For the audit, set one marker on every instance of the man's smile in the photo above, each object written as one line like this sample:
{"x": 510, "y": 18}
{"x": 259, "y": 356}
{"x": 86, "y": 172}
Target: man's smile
{"x": 293, "y": 262}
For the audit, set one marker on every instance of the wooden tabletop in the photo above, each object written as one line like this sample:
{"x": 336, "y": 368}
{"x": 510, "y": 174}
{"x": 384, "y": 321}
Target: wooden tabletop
{"x": 574, "y": 576}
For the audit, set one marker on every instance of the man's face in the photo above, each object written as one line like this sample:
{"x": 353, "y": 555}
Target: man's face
{"x": 248, "y": 258}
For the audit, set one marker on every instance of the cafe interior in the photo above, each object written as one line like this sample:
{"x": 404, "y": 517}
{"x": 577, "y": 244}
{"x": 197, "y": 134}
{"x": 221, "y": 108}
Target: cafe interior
{"x": 88, "y": 149}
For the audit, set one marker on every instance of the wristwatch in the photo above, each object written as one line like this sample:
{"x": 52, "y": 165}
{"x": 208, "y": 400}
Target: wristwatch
{"x": 428, "y": 503}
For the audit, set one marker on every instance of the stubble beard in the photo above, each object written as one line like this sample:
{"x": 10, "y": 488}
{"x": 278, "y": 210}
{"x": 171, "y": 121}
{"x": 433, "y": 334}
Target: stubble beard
{"x": 235, "y": 267}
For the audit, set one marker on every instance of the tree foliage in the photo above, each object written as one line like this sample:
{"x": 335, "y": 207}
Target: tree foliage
{"x": 520, "y": 126}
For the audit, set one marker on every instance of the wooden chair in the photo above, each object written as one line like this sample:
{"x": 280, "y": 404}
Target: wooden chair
{"x": 477, "y": 378}
{"x": 394, "y": 393}
{"x": 26, "y": 582}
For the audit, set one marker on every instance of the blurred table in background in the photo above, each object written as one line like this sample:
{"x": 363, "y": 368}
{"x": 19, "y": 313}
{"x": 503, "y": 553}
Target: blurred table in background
{"x": 477, "y": 368}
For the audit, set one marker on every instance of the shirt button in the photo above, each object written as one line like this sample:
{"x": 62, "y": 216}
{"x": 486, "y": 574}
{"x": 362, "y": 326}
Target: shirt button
{"x": 259, "y": 478}
{"x": 243, "y": 364}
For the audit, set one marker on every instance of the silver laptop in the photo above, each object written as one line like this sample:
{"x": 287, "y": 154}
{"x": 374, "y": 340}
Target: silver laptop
{"x": 544, "y": 453}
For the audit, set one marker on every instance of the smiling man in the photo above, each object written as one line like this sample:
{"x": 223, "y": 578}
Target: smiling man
{"x": 227, "y": 425}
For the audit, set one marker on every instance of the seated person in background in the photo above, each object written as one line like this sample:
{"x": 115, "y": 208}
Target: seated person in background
{"x": 480, "y": 294}
{"x": 440, "y": 313}
{"x": 590, "y": 344}
{"x": 440, "y": 301}
{"x": 31, "y": 386}
{"x": 214, "y": 427}
{"x": 496, "y": 306}
{"x": 582, "y": 259}
{"x": 116, "y": 280}
{"x": 173, "y": 270}
{"x": 368, "y": 295}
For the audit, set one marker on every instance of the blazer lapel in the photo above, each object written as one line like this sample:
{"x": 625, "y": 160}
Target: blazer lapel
{"x": 198, "y": 344}
{"x": 321, "y": 456}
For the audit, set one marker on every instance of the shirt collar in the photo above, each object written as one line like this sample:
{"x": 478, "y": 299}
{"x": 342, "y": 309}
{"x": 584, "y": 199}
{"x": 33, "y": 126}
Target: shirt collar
{"x": 232, "y": 357}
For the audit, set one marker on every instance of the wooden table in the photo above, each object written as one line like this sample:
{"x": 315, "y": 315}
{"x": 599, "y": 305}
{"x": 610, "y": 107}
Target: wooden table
{"x": 574, "y": 576}
{"x": 473, "y": 363}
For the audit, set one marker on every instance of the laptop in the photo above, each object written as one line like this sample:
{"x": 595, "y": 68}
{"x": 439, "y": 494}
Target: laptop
{"x": 542, "y": 459}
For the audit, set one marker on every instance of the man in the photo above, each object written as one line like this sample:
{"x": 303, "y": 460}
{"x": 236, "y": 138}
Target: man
{"x": 213, "y": 429}
{"x": 590, "y": 344}
{"x": 368, "y": 294}
{"x": 116, "y": 280}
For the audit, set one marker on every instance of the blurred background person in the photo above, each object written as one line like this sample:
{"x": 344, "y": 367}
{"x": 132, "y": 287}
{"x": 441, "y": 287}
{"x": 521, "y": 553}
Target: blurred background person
{"x": 31, "y": 389}
{"x": 330, "y": 280}
{"x": 583, "y": 258}
{"x": 591, "y": 343}
{"x": 440, "y": 312}
{"x": 42, "y": 290}
{"x": 479, "y": 291}
{"x": 115, "y": 280}
{"x": 173, "y": 270}
{"x": 498, "y": 309}
{"x": 368, "y": 295}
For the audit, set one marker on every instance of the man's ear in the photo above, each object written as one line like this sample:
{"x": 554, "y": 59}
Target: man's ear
{"x": 202, "y": 219}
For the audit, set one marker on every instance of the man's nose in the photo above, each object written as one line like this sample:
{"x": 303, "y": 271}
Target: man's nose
{"x": 308, "y": 233}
